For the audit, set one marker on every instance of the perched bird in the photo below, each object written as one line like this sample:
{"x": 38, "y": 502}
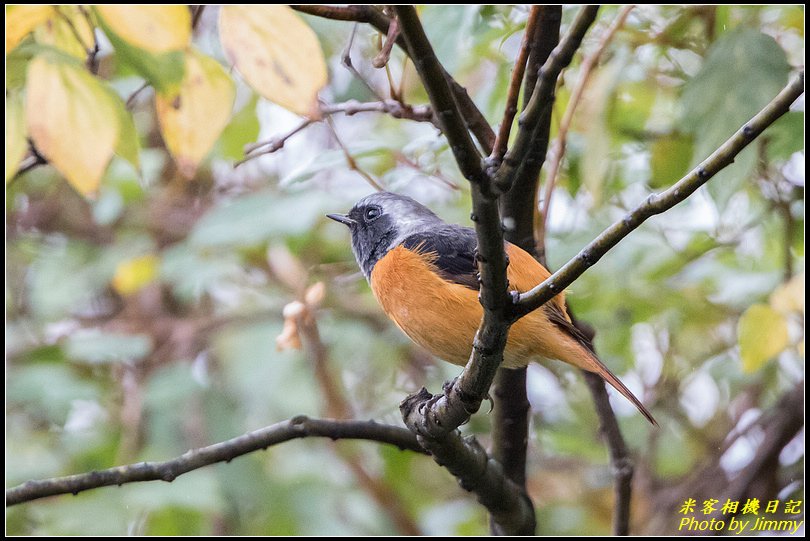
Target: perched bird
{"x": 423, "y": 273}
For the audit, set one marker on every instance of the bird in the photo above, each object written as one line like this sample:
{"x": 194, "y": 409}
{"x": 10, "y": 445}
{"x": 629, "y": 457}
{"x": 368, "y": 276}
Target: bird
{"x": 424, "y": 274}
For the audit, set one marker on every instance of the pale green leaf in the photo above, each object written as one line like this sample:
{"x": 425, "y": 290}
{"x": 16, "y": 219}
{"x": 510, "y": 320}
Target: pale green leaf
{"x": 276, "y": 52}
{"x": 743, "y": 71}
{"x": 153, "y": 28}
{"x": 72, "y": 120}
{"x": 762, "y": 333}
{"x": 192, "y": 119}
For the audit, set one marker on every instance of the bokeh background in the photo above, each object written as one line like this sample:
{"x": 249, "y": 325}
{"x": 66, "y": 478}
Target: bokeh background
{"x": 142, "y": 322}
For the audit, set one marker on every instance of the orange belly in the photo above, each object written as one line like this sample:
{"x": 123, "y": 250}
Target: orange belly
{"x": 443, "y": 317}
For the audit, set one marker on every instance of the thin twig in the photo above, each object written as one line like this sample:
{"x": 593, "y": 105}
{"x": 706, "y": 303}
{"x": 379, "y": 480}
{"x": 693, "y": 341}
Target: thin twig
{"x": 586, "y": 69}
{"x": 196, "y": 14}
{"x": 385, "y": 51}
{"x": 620, "y": 461}
{"x": 403, "y": 159}
{"x": 346, "y": 60}
{"x": 542, "y": 97}
{"x": 518, "y": 204}
{"x": 661, "y": 202}
{"x": 397, "y": 109}
{"x": 350, "y": 161}
{"x": 274, "y": 144}
{"x": 131, "y": 99}
{"x": 34, "y": 159}
{"x": 510, "y": 110}
{"x": 297, "y": 427}
{"x": 472, "y": 116}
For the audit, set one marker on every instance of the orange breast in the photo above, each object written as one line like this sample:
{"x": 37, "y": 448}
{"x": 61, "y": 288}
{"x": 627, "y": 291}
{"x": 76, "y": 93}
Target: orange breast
{"x": 443, "y": 317}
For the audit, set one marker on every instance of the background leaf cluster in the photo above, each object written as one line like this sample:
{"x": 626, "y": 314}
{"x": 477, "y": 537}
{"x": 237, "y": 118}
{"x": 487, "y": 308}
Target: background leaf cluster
{"x": 146, "y": 275}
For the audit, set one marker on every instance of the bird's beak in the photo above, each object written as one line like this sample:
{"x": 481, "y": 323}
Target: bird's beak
{"x": 342, "y": 218}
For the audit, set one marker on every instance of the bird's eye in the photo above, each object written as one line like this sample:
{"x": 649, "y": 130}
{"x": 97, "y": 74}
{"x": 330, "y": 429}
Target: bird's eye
{"x": 372, "y": 213}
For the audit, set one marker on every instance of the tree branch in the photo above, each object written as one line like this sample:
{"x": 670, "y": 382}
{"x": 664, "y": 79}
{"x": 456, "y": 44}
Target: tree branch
{"x": 417, "y": 113}
{"x": 435, "y": 418}
{"x": 507, "y": 503}
{"x": 298, "y": 427}
{"x": 524, "y": 150}
{"x": 464, "y": 396}
{"x": 472, "y": 116}
{"x": 510, "y": 110}
{"x": 658, "y": 203}
{"x": 586, "y": 70}
{"x": 620, "y": 461}
{"x": 519, "y": 203}
{"x": 510, "y": 410}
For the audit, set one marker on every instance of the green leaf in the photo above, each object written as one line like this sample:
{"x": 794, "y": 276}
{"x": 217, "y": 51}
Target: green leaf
{"x": 256, "y": 218}
{"x": 97, "y": 347}
{"x": 241, "y": 130}
{"x": 743, "y": 71}
{"x": 128, "y": 147}
{"x": 785, "y": 136}
{"x": 762, "y": 333}
{"x": 671, "y": 156}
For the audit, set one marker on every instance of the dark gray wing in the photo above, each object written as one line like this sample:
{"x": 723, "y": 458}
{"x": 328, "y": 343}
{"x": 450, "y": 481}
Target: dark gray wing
{"x": 454, "y": 247}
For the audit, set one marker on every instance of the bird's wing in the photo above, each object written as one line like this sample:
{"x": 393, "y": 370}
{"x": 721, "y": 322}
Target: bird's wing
{"x": 453, "y": 251}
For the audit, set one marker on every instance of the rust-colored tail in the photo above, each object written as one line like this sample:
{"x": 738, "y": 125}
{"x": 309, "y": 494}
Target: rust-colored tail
{"x": 581, "y": 356}
{"x": 593, "y": 364}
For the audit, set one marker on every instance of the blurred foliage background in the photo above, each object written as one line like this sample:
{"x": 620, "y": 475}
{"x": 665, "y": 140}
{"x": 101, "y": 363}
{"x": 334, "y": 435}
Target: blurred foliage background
{"x": 142, "y": 313}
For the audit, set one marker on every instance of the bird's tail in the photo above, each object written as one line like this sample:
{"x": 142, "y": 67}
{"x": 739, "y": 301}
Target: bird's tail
{"x": 593, "y": 364}
{"x": 578, "y": 352}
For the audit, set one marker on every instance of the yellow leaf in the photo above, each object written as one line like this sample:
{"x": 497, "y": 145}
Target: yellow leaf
{"x": 276, "y": 52}
{"x": 789, "y": 297}
{"x": 68, "y": 31}
{"x": 762, "y": 333}
{"x": 133, "y": 274}
{"x": 192, "y": 119}
{"x": 22, "y": 20}
{"x": 15, "y": 133}
{"x": 72, "y": 119}
{"x": 157, "y": 28}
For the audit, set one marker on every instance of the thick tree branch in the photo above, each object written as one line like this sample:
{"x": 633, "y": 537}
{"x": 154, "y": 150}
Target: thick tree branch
{"x": 658, "y": 203}
{"x": 464, "y": 396}
{"x": 441, "y": 97}
{"x": 435, "y": 418}
{"x": 524, "y": 152}
{"x": 506, "y": 501}
{"x": 519, "y": 203}
{"x": 510, "y": 411}
{"x": 298, "y": 427}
